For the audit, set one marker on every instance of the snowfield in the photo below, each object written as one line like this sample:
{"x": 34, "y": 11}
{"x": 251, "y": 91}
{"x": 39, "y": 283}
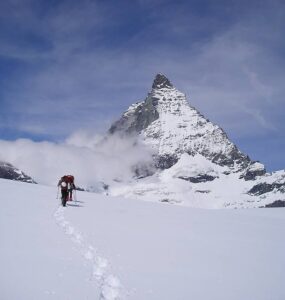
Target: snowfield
{"x": 111, "y": 248}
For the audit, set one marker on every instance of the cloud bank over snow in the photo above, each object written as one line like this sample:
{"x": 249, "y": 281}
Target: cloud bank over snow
{"x": 87, "y": 156}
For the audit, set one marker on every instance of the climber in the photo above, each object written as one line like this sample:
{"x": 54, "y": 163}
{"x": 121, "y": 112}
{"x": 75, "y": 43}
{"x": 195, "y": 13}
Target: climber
{"x": 66, "y": 183}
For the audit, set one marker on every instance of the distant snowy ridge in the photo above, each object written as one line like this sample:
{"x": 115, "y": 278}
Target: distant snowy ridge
{"x": 195, "y": 162}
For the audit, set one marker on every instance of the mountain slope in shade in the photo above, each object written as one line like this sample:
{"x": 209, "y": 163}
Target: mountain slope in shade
{"x": 196, "y": 164}
{"x": 8, "y": 171}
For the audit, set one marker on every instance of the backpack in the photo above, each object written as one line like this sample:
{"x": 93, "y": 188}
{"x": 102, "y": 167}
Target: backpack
{"x": 68, "y": 178}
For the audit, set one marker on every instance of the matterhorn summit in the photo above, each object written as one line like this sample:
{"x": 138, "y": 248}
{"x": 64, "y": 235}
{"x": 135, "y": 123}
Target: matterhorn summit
{"x": 195, "y": 162}
{"x": 169, "y": 125}
{"x": 161, "y": 81}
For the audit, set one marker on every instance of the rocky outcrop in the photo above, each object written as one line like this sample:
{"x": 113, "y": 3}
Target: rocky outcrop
{"x": 198, "y": 178}
{"x": 161, "y": 81}
{"x": 137, "y": 118}
{"x": 277, "y": 203}
{"x": 165, "y": 161}
{"x": 8, "y": 171}
{"x": 254, "y": 170}
{"x": 262, "y": 188}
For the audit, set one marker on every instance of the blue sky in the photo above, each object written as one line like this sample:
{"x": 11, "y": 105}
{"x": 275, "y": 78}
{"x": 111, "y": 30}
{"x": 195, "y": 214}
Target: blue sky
{"x": 77, "y": 65}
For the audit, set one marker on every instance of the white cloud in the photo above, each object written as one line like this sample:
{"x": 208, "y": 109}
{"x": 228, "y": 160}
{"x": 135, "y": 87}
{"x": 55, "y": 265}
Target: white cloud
{"x": 81, "y": 155}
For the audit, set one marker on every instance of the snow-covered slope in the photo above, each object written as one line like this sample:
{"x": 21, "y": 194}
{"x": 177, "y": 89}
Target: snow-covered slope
{"x": 114, "y": 248}
{"x": 197, "y": 182}
{"x": 196, "y": 163}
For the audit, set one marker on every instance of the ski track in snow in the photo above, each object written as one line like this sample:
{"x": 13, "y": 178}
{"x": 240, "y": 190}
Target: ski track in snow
{"x": 110, "y": 286}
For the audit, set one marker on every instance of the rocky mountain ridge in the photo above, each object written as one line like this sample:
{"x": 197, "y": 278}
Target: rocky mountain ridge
{"x": 8, "y": 171}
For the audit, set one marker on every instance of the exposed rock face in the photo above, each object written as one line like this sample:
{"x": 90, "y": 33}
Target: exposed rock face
{"x": 277, "y": 203}
{"x": 199, "y": 178}
{"x": 8, "y": 171}
{"x": 264, "y": 187}
{"x": 138, "y": 117}
{"x": 254, "y": 170}
{"x": 165, "y": 161}
{"x": 160, "y": 82}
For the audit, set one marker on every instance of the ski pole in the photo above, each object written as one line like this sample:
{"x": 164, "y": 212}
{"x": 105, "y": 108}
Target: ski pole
{"x": 75, "y": 196}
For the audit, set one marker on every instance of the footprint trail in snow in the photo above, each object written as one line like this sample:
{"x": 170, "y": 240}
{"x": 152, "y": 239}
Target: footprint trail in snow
{"x": 110, "y": 286}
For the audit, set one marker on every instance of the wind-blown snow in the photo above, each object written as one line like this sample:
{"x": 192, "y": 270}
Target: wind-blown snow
{"x": 114, "y": 248}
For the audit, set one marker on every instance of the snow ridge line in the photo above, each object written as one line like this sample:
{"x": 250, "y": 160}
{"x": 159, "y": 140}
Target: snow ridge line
{"x": 110, "y": 286}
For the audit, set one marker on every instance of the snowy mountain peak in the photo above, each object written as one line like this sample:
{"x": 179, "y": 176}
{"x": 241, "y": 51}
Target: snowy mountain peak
{"x": 194, "y": 161}
{"x": 170, "y": 126}
{"x": 161, "y": 81}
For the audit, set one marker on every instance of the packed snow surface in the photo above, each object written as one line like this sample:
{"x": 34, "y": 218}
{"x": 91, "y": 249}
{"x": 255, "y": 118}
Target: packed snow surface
{"x": 108, "y": 248}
